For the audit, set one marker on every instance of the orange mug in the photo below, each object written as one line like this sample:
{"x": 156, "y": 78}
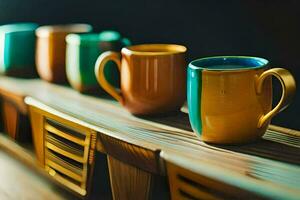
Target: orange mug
{"x": 51, "y": 50}
{"x": 153, "y": 77}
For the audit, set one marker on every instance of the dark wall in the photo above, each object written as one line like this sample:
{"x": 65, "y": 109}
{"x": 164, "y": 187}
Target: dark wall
{"x": 265, "y": 28}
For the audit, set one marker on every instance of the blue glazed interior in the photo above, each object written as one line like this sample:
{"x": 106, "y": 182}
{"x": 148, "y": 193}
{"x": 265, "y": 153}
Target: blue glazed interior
{"x": 229, "y": 63}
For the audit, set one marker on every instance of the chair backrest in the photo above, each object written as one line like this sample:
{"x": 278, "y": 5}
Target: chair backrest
{"x": 186, "y": 184}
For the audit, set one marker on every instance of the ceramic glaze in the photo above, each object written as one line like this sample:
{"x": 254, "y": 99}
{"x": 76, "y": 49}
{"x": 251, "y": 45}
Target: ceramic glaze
{"x": 230, "y": 98}
{"x": 51, "y": 50}
{"x": 153, "y": 77}
{"x": 17, "y": 49}
{"x": 86, "y": 48}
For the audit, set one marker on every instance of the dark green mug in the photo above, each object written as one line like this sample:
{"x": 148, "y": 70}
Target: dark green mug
{"x": 17, "y": 49}
{"x": 82, "y": 53}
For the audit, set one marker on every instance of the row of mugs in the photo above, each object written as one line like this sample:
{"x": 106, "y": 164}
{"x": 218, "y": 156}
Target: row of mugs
{"x": 229, "y": 97}
{"x": 60, "y": 53}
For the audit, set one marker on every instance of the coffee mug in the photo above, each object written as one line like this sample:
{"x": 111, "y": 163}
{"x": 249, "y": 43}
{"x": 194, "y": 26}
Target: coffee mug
{"x": 51, "y": 50}
{"x": 17, "y": 49}
{"x": 86, "y": 48}
{"x": 153, "y": 77}
{"x": 230, "y": 97}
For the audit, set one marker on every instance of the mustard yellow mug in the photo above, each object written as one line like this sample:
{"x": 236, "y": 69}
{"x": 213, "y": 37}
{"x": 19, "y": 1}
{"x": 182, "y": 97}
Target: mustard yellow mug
{"x": 230, "y": 97}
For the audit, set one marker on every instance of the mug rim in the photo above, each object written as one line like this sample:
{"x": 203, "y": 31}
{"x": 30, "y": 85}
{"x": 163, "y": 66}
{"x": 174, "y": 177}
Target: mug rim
{"x": 157, "y": 49}
{"x": 45, "y": 31}
{"x": 93, "y": 38}
{"x": 18, "y": 27}
{"x": 264, "y": 61}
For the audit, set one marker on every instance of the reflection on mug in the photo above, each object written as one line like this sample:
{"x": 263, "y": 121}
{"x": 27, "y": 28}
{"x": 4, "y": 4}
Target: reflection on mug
{"x": 17, "y": 49}
{"x": 82, "y": 53}
{"x": 51, "y": 50}
{"x": 230, "y": 97}
{"x": 153, "y": 77}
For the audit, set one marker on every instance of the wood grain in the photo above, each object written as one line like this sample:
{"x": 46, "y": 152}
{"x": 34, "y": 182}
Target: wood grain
{"x": 69, "y": 152}
{"x": 10, "y": 119}
{"x": 185, "y": 184}
{"x": 258, "y": 180}
{"x": 134, "y": 155}
{"x": 15, "y": 97}
{"x": 264, "y": 172}
{"x": 128, "y": 182}
{"x": 37, "y": 122}
{"x": 14, "y": 111}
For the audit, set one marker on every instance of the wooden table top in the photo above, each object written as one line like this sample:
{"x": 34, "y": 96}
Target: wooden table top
{"x": 270, "y": 167}
{"x": 19, "y": 181}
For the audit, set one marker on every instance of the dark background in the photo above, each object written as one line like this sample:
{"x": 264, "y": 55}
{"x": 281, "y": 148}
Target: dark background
{"x": 264, "y": 28}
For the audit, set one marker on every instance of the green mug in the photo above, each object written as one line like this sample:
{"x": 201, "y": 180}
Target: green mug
{"x": 81, "y": 54}
{"x": 17, "y": 49}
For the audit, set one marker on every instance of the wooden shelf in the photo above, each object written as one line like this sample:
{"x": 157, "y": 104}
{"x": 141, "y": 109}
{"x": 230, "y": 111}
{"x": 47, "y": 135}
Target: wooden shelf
{"x": 269, "y": 168}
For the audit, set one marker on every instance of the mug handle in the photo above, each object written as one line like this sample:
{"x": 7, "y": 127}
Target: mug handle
{"x": 99, "y": 72}
{"x": 125, "y": 42}
{"x": 288, "y": 85}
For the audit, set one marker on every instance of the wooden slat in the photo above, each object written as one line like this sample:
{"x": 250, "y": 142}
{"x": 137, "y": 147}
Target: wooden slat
{"x": 37, "y": 121}
{"x": 195, "y": 192}
{"x": 128, "y": 182}
{"x": 65, "y": 164}
{"x": 292, "y": 138}
{"x": 63, "y": 170}
{"x": 186, "y": 183}
{"x": 66, "y": 183}
{"x": 27, "y": 157}
{"x": 67, "y": 147}
{"x": 131, "y": 154}
{"x": 284, "y": 130}
{"x": 15, "y": 97}
{"x": 271, "y": 180}
{"x": 65, "y": 153}
{"x": 67, "y": 136}
{"x": 10, "y": 118}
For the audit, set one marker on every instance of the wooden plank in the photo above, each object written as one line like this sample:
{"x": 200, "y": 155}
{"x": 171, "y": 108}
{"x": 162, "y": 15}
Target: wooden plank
{"x": 173, "y": 134}
{"x": 185, "y": 183}
{"x": 284, "y": 130}
{"x": 131, "y": 154}
{"x": 67, "y": 136}
{"x": 37, "y": 121}
{"x": 269, "y": 179}
{"x": 10, "y": 119}
{"x": 15, "y": 97}
{"x": 65, "y": 153}
{"x": 14, "y": 115}
{"x": 128, "y": 182}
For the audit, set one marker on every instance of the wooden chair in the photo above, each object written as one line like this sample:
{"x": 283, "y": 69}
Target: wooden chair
{"x": 15, "y": 116}
{"x": 67, "y": 151}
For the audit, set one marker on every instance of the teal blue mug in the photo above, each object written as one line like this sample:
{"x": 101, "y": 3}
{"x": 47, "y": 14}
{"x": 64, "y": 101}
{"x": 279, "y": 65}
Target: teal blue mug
{"x": 81, "y": 54}
{"x": 17, "y": 49}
